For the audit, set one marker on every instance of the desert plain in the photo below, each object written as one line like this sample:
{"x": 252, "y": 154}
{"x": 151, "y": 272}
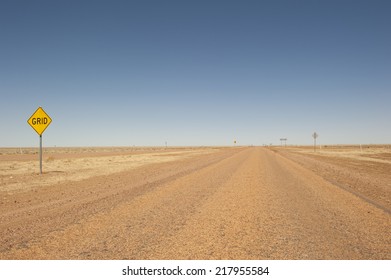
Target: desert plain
{"x": 196, "y": 203}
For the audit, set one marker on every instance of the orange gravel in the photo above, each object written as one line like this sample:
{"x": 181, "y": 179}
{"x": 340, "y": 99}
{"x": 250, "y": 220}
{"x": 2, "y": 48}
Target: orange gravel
{"x": 232, "y": 203}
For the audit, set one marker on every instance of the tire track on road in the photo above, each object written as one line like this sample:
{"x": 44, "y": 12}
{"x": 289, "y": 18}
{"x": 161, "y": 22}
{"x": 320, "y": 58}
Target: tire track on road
{"x": 333, "y": 180}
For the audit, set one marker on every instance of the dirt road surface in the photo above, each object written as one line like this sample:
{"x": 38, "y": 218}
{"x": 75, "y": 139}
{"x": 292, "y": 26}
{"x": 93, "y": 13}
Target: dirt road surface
{"x": 228, "y": 203}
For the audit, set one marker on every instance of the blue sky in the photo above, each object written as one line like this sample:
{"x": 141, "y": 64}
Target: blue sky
{"x": 196, "y": 72}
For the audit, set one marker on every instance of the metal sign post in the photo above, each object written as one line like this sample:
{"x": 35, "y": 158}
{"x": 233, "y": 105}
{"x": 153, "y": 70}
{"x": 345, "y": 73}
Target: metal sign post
{"x": 40, "y": 154}
{"x": 315, "y": 135}
{"x": 39, "y": 121}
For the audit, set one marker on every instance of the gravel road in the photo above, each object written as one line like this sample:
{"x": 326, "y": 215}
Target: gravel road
{"x": 237, "y": 203}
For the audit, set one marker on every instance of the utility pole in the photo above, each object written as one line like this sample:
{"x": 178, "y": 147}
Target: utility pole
{"x": 315, "y": 135}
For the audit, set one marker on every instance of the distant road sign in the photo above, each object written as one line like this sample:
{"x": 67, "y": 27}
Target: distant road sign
{"x": 39, "y": 121}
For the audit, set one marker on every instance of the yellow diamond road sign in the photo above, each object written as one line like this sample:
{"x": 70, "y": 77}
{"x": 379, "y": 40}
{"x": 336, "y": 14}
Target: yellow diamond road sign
{"x": 39, "y": 121}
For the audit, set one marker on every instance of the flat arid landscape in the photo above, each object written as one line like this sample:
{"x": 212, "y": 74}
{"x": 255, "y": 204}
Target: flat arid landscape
{"x": 196, "y": 203}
